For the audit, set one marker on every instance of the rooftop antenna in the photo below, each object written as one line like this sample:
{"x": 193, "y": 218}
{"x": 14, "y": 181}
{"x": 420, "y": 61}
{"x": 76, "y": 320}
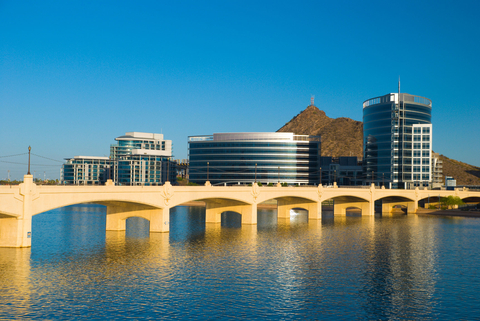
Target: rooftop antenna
{"x": 399, "y": 85}
{"x": 312, "y": 100}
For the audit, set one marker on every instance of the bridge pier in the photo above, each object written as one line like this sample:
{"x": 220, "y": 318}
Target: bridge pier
{"x": 387, "y": 207}
{"x": 284, "y": 205}
{"x": 17, "y": 231}
{"x": 214, "y": 210}
{"x": 117, "y": 217}
{"x": 12, "y": 232}
{"x": 340, "y": 208}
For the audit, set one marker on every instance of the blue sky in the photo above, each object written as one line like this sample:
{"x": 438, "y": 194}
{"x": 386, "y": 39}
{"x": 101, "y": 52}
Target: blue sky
{"x": 76, "y": 74}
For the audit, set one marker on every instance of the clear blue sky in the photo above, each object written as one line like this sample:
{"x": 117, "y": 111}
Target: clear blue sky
{"x": 76, "y": 74}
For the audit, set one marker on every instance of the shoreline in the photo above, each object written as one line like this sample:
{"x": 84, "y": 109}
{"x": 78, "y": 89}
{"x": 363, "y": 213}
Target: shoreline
{"x": 451, "y": 212}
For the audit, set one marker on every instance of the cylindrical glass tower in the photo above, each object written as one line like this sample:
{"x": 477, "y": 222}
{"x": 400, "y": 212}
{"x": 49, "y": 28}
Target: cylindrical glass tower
{"x": 397, "y": 140}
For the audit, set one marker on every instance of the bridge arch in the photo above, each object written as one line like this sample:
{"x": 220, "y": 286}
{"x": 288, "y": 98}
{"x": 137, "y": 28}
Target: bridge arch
{"x": 391, "y": 203}
{"x": 47, "y": 205}
{"x": 214, "y": 207}
{"x": 285, "y": 204}
{"x": 342, "y": 203}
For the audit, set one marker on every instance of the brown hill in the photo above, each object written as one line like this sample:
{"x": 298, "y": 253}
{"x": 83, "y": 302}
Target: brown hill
{"x": 464, "y": 173}
{"x": 344, "y": 137}
{"x": 340, "y": 136}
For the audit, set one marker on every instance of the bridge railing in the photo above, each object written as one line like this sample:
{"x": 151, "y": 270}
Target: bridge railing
{"x": 358, "y": 186}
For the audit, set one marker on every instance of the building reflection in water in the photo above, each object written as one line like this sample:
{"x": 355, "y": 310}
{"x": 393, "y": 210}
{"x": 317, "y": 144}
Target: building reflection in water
{"x": 401, "y": 269}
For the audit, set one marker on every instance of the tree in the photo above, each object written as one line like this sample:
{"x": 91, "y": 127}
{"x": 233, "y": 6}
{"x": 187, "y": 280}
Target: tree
{"x": 450, "y": 201}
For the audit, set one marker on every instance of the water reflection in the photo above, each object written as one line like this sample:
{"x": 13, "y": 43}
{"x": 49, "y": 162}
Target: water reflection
{"x": 342, "y": 267}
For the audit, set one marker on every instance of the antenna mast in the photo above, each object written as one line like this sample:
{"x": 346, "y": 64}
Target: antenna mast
{"x": 312, "y": 100}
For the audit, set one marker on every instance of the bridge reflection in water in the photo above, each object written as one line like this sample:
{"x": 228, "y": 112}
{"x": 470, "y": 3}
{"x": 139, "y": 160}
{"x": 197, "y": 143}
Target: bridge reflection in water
{"x": 341, "y": 267}
{"x": 18, "y": 204}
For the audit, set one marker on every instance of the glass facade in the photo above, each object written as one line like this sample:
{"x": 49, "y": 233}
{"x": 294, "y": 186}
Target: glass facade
{"x": 243, "y": 158}
{"x": 137, "y": 159}
{"x": 143, "y": 159}
{"x": 144, "y": 170}
{"x": 397, "y": 140}
{"x": 85, "y": 170}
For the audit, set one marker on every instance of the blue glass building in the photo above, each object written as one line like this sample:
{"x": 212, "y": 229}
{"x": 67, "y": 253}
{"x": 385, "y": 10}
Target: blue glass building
{"x": 397, "y": 140}
{"x": 243, "y": 158}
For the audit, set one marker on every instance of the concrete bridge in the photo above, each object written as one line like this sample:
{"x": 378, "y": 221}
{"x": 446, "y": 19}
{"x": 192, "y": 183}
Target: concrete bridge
{"x": 19, "y": 203}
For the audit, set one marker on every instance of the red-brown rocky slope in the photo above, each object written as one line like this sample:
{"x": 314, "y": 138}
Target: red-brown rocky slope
{"x": 340, "y": 136}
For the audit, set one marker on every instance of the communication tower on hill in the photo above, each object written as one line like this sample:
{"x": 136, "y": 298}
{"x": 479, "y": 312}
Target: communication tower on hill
{"x": 312, "y": 100}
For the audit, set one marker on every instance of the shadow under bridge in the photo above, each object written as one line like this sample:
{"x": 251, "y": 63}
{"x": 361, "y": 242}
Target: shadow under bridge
{"x": 118, "y": 212}
{"x": 343, "y": 203}
{"x": 214, "y": 207}
{"x": 392, "y": 203}
{"x": 286, "y": 204}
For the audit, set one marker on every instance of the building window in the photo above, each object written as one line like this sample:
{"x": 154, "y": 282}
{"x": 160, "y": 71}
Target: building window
{"x": 426, "y": 161}
{"x": 416, "y": 153}
{"x": 426, "y": 146}
{"x": 417, "y": 130}
{"x": 416, "y": 169}
{"x": 417, "y": 145}
{"x": 416, "y": 177}
{"x": 426, "y": 130}
{"x": 426, "y": 138}
{"x": 425, "y": 153}
{"x": 417, "y": 138}
{"x": 416, "y": 161}
{"x": 425, "y": 169}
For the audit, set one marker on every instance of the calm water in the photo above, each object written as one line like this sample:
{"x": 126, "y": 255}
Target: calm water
{"x": 351, "y": 268}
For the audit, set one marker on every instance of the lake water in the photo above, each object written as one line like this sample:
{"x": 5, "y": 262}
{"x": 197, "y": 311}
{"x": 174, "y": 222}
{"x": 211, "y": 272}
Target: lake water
{"x": 351, "y": 268}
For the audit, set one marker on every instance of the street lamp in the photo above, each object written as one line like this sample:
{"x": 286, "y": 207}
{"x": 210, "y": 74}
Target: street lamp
{"x": 255, "y": 172}
{"x": 29, "y": 149}
{"x": 208, "y": 169}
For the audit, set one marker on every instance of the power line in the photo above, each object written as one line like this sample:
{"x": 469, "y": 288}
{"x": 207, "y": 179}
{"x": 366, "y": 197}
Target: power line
{"x": 47, "y": 158}
{"x": 27, "y": 164}
{"x": 13, "y": 155}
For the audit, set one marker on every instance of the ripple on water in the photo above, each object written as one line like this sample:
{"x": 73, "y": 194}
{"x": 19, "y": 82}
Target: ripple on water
{"x": 376, "y": 268}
